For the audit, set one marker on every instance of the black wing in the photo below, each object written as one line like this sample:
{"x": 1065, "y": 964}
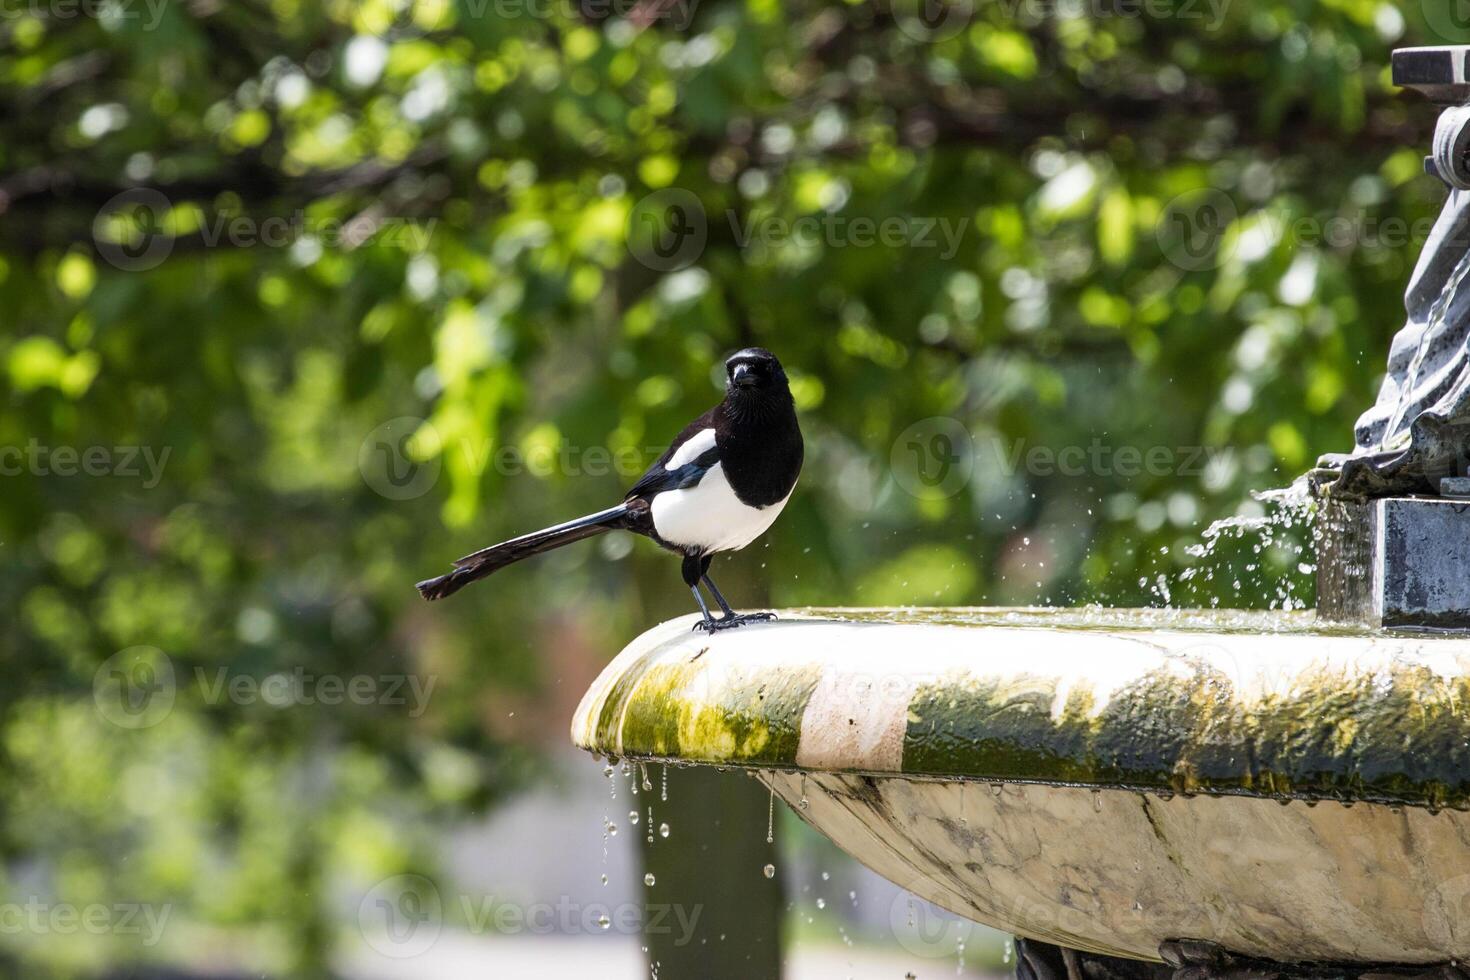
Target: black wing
{"x": 658, "y": 479}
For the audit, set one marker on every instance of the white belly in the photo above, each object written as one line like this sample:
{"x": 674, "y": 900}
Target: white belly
{"x": 710, "y": 517}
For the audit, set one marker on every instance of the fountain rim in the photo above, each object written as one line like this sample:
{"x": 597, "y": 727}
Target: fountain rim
{"x": 774, "y": 698}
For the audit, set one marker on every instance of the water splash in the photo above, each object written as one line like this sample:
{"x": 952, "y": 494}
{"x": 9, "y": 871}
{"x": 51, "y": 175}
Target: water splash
{"x": 1269, "y": 554}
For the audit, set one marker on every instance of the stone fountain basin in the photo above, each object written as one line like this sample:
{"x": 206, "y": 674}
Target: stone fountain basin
{"x": 1103, "y": 780}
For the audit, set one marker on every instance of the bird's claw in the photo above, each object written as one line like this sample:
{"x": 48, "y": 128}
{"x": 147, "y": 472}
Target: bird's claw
{"x": 730, "y": 622}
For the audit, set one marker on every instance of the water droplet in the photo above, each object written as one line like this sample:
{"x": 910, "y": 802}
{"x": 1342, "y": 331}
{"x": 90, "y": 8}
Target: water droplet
{"x": 633, "y": 817}
{"x": 604, "y": 880}
{"x": 663, "y": 830}
{"x": 821, "y": 903}
{"x": 1097, "y": 801}
{"x": 769, "y": 871}
{"x": 648, "y": 879}
{"x": 771, "y": 819}
{"x": 603, "y": 922}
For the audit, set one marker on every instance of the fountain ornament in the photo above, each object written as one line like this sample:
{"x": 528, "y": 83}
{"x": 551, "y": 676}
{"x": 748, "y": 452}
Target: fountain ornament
{"x": 1145, "y": 793}
{"x": 1396, "y": 510}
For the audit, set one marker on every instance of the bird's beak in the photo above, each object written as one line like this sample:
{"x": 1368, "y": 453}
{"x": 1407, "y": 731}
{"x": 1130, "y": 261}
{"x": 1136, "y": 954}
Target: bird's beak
{"x": 742, "y": 376}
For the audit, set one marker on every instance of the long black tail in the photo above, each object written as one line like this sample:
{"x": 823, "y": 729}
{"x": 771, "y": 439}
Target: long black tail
{"x": 480, "y": 564}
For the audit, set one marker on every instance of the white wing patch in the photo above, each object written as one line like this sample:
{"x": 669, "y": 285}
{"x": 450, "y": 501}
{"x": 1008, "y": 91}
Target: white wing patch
{"x": 709, "y": 516}
{"x": 698, "y": 444}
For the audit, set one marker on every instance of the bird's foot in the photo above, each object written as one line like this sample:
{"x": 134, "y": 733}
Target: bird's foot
{"x": 732, "y": 621}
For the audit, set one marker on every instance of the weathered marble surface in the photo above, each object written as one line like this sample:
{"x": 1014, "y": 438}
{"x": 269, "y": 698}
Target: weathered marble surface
{"x": 1119, "y": 872}
{"x": 1090, "y": 700}
{"x": 902, "y": 724}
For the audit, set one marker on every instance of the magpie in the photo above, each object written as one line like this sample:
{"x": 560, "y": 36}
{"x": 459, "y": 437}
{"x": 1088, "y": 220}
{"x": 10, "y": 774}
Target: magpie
{"x": 718, "y": 487}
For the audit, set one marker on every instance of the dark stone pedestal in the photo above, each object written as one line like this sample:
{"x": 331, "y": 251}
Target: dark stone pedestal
{"x": 1398, "y": 561}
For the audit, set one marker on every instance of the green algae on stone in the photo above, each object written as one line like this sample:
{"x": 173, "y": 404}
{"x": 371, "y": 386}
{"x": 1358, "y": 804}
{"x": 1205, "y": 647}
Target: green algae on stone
{"x": 1380, "y": 718}
{"x": 1403, "y": 737}
{"x": 752, "y": 718}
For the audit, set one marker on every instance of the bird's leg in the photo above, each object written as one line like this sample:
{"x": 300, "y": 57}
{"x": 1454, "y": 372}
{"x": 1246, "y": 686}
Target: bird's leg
{"x": 732, "y": 618}
{"x": 709, "y": 583}
{"x": 709, "y": 622}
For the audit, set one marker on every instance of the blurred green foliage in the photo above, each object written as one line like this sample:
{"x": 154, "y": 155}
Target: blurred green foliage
{"x": 1170, "y": 224}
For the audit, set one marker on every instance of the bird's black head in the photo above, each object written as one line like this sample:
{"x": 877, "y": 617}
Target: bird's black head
{"x": 754, "y": 371}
